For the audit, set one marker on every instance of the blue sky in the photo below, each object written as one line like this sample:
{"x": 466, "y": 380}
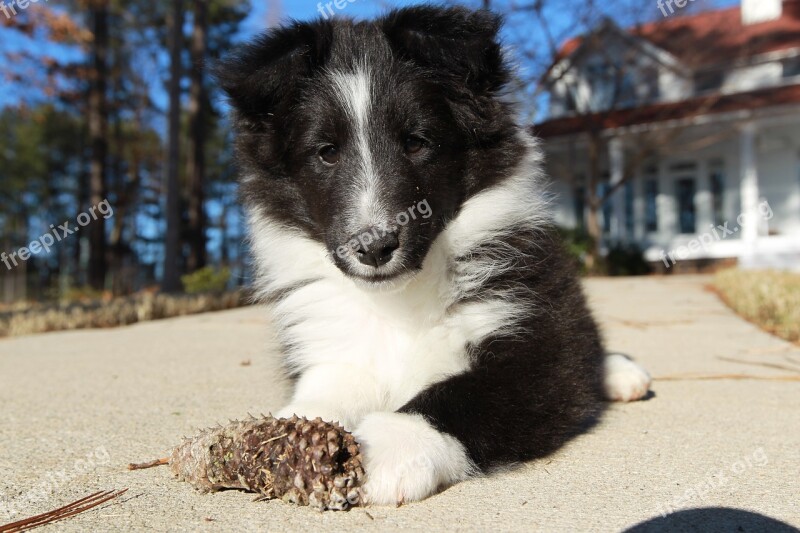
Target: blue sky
{"x": 270, "y": 12}
{"x": 264, "y": 11}
{"x": 267, "y": 12}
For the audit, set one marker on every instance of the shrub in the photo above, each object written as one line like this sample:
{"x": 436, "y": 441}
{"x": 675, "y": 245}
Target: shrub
{"x": 578, "y": 245}
{"x": 206, "y": 280}
{"x": 622, "y": 260}
{"x": 626, "y": 260}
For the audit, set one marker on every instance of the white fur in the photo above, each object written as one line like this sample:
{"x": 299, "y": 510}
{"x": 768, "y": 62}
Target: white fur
{"x": 406, "y": 459}
{"x": 625, "y": 381}
{"x": 354, "y": 92}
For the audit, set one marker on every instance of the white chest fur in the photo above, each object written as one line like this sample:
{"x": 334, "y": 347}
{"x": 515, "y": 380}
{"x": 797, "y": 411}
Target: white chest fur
{"x": 381, "y": 348}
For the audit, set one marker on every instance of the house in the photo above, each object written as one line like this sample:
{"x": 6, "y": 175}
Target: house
{"x": 682, "y": 136}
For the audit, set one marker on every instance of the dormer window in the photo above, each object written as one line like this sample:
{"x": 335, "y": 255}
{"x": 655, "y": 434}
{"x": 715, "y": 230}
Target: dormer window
{"x": 627, "y": 90}
{"x": 612, "y": 86}
{"x": 650, "y": 90}
{"x": 708, "y": 81}
{"x": 601, "y": 80}
{"x": 570, "y": 103}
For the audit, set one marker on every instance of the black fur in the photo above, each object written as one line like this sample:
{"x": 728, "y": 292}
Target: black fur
{"x": 531, "y": 391}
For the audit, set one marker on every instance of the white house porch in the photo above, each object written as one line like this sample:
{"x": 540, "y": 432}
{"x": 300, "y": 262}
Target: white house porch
{"x": 726, "y": 187}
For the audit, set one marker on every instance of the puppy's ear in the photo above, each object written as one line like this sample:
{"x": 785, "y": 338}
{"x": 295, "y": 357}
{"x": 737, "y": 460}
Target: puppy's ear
{"x": 455, "y": 41}
{"x": 262, "y": 76}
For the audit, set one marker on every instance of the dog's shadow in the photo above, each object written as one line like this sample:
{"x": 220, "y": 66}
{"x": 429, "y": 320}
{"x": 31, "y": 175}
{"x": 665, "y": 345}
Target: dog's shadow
{"x": 712, "y": 519}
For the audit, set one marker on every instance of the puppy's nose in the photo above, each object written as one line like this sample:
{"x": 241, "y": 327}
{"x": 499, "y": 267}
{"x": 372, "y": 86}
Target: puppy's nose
{"x": 379, "y": 251}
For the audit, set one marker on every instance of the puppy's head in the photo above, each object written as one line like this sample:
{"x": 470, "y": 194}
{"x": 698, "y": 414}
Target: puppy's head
{"x": 369, "y": 136}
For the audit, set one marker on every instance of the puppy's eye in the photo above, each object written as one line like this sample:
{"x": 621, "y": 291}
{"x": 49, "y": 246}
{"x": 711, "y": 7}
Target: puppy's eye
{"x": 330, "y": 154}
{"x": 414, "y": 144}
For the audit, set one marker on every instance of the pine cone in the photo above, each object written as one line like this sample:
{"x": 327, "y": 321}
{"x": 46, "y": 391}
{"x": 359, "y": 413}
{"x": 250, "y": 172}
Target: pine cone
{"x": 300, "y": 461}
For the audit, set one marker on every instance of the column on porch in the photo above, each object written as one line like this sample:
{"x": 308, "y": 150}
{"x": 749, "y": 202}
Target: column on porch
{"x": 704, "y": 199}
{"x": 616, "y": 158}
{"x": 639, "y": 206}
{"x": 748, "y": 189}
{"x": 666, "y": 205}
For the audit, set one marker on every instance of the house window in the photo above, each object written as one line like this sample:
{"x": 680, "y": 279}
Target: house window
{"x": 601, "y": 81}
{"x": 717, "y": 184}
{"x": 608, "y": 208}
{"x": 651, "y": 205}
{"x": 687, "y": 216}
{"x": 611, "y": 85}
{"x": 627, "y": 90}
{"x": 791, "y": 67}
{"x": 570, "y": 103}
{"x": 651, "y": 89}
{"x": 629, "y": 221}
{"x": 708, "y": 81}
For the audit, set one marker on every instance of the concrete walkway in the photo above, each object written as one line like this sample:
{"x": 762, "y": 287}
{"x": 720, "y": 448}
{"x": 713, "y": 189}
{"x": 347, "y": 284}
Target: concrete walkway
{"x": 76, "y": 407}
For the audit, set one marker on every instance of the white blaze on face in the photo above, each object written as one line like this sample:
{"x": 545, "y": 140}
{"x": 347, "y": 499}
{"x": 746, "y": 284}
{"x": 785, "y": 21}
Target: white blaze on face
{"x": 354, "y": 91}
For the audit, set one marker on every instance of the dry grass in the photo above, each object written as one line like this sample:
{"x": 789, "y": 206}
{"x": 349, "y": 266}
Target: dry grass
{"x": 768, "y": 299}
{"x": 38, "y": 318}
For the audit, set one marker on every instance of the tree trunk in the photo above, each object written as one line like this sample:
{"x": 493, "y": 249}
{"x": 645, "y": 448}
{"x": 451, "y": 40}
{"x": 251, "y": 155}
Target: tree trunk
{"x": 195, "y": 163}
{"x": 225, "y": 257}
{"x": 593, "y": 204}
{"x": 98, "y": 129}
{"x": 172, "y": 252}
{"x": 118, "y": 187}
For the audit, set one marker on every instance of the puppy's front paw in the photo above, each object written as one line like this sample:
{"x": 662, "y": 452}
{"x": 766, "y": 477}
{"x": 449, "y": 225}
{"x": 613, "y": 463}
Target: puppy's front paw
{"x": 625, "y": 381}
{"x": 406, "y": 459}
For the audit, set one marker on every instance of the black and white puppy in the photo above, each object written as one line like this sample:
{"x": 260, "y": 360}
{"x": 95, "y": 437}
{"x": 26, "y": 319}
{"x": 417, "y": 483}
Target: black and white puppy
{"x": 403, "y": 242}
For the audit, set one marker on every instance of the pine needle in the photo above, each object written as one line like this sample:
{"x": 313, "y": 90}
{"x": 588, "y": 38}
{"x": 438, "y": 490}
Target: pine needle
{"x": 74, "y": 508}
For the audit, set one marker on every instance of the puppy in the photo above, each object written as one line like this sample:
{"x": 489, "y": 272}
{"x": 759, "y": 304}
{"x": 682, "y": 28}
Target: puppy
{"x": 403, "y": 242}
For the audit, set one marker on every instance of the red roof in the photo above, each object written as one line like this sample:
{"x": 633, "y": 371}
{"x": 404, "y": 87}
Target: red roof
{"x": 705, "y": 105}
{"x": 716, "y": 36}
{"x": 719, "y": 36}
